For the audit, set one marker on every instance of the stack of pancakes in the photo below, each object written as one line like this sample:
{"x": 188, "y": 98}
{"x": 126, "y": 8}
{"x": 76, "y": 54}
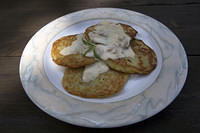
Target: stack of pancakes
{"x": 108, "y": 83}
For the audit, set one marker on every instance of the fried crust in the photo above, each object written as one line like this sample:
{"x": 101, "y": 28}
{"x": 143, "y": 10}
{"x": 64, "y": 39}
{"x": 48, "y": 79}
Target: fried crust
{"x": 127, "y": 29}
{"x": 144, "y": 62}
{"x": 145, "y": 59}
{"x": 106, "y": 84}
{"x": 73, "y": 60}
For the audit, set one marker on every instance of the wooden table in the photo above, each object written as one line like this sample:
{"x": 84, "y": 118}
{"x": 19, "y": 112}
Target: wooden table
{"x": 19, "y": 20}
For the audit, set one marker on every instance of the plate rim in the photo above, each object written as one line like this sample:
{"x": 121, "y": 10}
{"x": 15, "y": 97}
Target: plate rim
{"x": 47, "y": 60}
{"x": 123, "y": 124}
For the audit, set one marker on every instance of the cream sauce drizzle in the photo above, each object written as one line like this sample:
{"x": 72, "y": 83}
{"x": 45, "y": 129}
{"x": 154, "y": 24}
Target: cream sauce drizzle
{"x": 92, "y": 71}
{"x": 111, "y": 42}
{"x": 77, "y": 47}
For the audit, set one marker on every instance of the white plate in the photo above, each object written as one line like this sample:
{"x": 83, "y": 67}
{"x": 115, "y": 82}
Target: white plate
{"x": 136, "y": 83}
{"x": 142, "y": 97}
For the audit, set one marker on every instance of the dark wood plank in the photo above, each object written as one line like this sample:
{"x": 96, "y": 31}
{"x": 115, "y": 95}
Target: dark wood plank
{"x": 20, "y": 20}
{"x": 81, "y": 3}
{"x": 19, "y": 114}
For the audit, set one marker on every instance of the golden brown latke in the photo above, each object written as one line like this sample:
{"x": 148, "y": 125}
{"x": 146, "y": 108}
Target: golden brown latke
{"x": 73, "y": 60}
{"x": 106, "y": 84}
{"x": 144, "y": 62}
{"x": 127, "y": 29}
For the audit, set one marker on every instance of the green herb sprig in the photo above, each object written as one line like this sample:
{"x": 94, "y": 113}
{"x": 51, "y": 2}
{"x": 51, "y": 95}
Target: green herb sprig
{"x": 91, "y": 46}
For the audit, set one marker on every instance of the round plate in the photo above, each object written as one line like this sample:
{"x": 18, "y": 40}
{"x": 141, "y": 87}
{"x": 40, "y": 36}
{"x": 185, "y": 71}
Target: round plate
{"x": 136, "y": 83}
{"x": 156, "y": 94}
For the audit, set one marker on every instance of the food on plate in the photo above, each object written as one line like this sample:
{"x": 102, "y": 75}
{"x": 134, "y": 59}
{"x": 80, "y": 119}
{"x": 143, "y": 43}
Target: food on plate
{"x": 74, "y": 59}
{"x": 101, "y": 59}
{"x": 126, "y": 54}
{"x": 106, "y": 84}
{"x": 143, "y": 63}
{"x": 110, "y": 27}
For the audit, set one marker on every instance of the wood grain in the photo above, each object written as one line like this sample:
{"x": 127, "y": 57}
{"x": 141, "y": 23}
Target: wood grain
{"x": 17, "y": 110}
{"x": 26, "y": 19}
{"x": 21, "y": 19}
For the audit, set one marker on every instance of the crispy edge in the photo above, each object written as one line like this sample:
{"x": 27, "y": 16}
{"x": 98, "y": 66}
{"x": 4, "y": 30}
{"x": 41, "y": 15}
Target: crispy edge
{"x": 73, "y": 60}
{"x": 136, "y": 65}
{"x": 124, "y": 64}
{"x": 128, "y": 30}
{"x": 105, "y": 85}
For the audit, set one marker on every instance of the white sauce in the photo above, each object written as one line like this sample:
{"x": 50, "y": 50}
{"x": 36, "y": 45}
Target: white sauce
{"x": 92, "y": 71}
{"x": 111, "y": 42}
{"x": 110, "y": 33}
{"x": 77, "y": 47}
{"x": 106, "y": 52}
